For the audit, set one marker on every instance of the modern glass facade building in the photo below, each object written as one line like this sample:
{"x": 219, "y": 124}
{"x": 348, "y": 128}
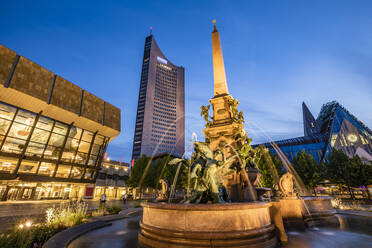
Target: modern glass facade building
{"x": 160, "y": 122}
{"x": 111, "y": 179}
{"x": 53, "y": 134}
{"x": 336, "y": 128}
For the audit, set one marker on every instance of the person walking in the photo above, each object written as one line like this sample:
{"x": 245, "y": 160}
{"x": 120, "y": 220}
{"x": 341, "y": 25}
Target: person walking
{"x": 102, "y": 200}
{"x": 124, "y": 198}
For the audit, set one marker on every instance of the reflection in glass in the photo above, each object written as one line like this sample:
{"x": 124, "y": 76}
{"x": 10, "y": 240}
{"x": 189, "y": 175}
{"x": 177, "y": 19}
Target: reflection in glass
{"x": 75, "y": 132}
{"x": 77, "y": 172}
{"x": 20, "y": 131}
{"x": 56, "y": 140}
{"x": 44, "y": 123}
{"x": 40, "y": 136}
{"x": 99, "y": 139}
{"x": 71, "y": 145}
{"x": 95, "y": 149}
{"x": 92, "y": 160}
{"x": 80, "y": 158}
{"x": 84, "y": 146}
{"x": 87, "y": 136}
{"x": 4, "y": 125}
{"x": 63, "y": 171}
{"x": 89, "y": 173}
{"x": 28, "y": 166}
{"x": 52, "y": 152}
{"x": 46, "y": 169}
{"x": 13, "y": 145}
{"x": 6, "y": 111}
{"x": 60, "y": 128}
{"x": 34, "y": 149}
{"x": 25, "y": 117}
{"x": 8, "y": 164}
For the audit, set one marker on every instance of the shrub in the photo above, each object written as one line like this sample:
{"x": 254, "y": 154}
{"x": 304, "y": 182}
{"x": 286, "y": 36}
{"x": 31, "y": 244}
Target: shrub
{"x": 57, "y": 219}
{"x": 113, "y": 209}
{"x": 99, "y": 212}
{"x": 67, "y": 214}
{"x": 31, "y": 237}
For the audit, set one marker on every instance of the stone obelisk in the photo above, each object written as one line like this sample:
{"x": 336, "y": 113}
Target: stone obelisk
{"x": 222, "y": 131}
{"x": 223, "y": 127}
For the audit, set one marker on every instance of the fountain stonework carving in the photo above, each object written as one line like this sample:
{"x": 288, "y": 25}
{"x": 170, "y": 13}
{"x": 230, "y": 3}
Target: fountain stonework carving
{"x": 226, "y": 128}
{"x": 226, "y": 161}
{"x": 164, "y": 190}
{"x": 218, "y": 224}
{"x": 286, "y": 185}
{"x": 207, "y": 225}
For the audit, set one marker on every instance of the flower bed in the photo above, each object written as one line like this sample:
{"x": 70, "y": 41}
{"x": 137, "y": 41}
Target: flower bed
{"x": 29, "y": 235}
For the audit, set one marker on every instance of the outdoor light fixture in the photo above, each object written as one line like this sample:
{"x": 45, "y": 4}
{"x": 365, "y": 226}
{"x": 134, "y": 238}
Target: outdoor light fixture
{"x": 28, "y": 223}
{"x": 21, "y": 226}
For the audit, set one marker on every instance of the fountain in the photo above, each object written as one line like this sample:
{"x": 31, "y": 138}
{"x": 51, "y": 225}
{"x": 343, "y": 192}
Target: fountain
{"x": 221, "y": 209}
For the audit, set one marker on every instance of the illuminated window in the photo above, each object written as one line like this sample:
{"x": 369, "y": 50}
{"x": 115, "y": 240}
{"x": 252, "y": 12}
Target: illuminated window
{"x": 28, "y": 167}
{"x": 63, "y": 171}
{"x": 8, "y": 164}
{"x": 46, "y": 169}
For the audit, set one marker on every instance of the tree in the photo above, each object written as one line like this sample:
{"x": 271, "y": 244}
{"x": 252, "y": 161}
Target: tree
{"x": 137, "y": 171}
{"x": 310, "y": 171}
{"x": 271, "y": 169}
{"x": 361, "y": 174}
{"x": 157, "y": 169}
{"x": 339, "y": 170}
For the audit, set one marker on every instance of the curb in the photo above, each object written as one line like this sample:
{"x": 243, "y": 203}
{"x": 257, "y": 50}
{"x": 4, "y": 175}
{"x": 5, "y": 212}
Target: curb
{"x": 64, "y": 238}
{"x": 355, "y": 213}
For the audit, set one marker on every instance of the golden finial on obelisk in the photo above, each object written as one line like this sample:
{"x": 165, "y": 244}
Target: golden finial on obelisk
{"x": 214, "y": 25}
{"x": 220, "y": 84}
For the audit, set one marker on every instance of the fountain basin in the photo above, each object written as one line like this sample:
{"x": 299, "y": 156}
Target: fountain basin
{"x": 206, "y": 225}
{"x": 318, "y": 209}
{"x": 307, "y": 210}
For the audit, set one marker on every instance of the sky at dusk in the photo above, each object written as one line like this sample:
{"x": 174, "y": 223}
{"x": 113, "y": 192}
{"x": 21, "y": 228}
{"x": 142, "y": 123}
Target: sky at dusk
{"x": 277, "y": 54}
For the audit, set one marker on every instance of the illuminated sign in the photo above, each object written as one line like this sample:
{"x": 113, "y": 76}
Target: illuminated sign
{"x": 352, "y": 138}
{"x": 161, "y": 60}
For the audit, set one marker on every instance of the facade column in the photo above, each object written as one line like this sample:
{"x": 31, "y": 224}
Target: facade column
{"x": 5, "y": 194}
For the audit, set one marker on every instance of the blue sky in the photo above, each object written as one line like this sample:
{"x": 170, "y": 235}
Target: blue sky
{"x": 277, "y": 54}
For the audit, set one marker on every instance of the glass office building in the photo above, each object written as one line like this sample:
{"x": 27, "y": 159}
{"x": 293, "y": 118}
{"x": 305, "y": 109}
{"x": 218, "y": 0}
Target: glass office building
{"x": 336, "y": 128}
{"x": 160, "y": 122}
{"x": 53, "y": 134}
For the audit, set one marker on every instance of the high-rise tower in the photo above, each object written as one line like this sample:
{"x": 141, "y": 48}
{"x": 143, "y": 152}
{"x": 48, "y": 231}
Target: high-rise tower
{"x": 160, "y": 122}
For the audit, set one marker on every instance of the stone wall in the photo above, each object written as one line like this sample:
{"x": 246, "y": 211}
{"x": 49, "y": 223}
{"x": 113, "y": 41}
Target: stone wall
{"x": 7, "y": 58}
{"x": 92, "y": 107}
{"x": 66, "y": 95}
{"x": 112, "y": 116}
{"x": 32, "y": 79}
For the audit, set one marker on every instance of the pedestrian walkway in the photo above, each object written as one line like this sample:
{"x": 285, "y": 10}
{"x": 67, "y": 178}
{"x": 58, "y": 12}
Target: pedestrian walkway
{"x": 122, "y": 233}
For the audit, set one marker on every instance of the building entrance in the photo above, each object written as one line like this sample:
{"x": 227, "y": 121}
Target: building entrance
{"x": 13, "y": 193}
{"x": 19, "y": 193}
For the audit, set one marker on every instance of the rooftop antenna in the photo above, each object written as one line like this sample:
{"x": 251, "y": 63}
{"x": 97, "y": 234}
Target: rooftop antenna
{"x": 150, "y": 30}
